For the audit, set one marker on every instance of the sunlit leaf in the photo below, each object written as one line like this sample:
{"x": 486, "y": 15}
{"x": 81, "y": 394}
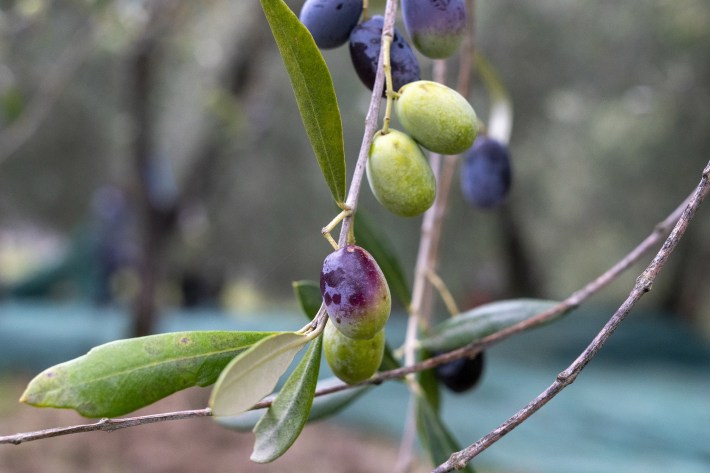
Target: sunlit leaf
{"x": 122, "y": 376}
{"x": 482, "y": 321}
{"x": 283, "y": 421}
{"x": 376, "y": 243}
{"x": 309, "y": 297}
{"x": 323, "y": 406}
{"x": 314, "y": 91}
{"x": 434, "y": 437}
{"x": 500, "y": 119}
{"x": 252, "y": 375}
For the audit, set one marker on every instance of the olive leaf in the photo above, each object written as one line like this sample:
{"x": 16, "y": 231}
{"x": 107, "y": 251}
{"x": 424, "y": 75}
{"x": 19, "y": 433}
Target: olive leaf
{"x": 122, "y": 376}
{"x": 322, "y": 407}
{"x": 500, "y": 116}
{"x": 283, "y": 421}
{"x": 309, "y": 297}
{"x": 434, "y": 437}
{"x": 482, "y": 321}
{"x": 253, "y": 374}
{"x": 429, "y": 383}
{"x": 314, "y": 91}
{"x": 376, "y": 243}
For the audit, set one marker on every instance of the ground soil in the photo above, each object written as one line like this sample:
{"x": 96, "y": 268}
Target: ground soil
{"x": 196, "y": 445}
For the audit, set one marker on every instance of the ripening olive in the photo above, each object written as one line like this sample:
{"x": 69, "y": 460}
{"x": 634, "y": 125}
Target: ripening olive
{"x": 437, "y": 117}
{"x": 365, "y": 53}
{"x": 462, "y": 374}
{"x": 355, "y": 292}
{"x": 486, "y": 173}
{"x": 330, "y": 21}
{"x": 436, "y": 27}
{"x": 352, "y": 360}
{"x": 399, "y": 175}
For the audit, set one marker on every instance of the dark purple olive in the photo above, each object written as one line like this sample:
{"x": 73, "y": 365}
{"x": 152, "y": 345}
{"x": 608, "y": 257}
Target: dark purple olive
{"x": 486, "y": 173}
{"x": 330, "y": 21}
{"x": 355, "y": 292}
{"x": 461, "y": 375}
{"x": 365, "y": 43}
{"x": 436, "y": 27}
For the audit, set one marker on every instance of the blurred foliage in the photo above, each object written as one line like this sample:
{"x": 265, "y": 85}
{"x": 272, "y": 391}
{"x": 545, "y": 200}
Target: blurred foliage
{"x": 610, "y": 133}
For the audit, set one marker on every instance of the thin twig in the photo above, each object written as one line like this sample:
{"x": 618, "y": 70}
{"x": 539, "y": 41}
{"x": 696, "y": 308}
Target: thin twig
{"x": 103, "y": 425}
{"x": 643, "y": 285}
{"x": 571, "y": 302}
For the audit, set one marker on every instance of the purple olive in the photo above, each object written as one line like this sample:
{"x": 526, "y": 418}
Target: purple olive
{"x": 461, "y": 375}
{"x": 486, "y": 173}
{"x": 330, "y": 21}
{"x": 355, "y": 292}
{"x": 365, "y": 43}
{"x": 436, "y": 27}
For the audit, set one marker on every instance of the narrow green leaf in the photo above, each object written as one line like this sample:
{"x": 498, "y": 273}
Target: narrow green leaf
{"x": 429, "y": 384}
{"x": 482, "y": 321}
{"x": 284, "y": 420}
{"x": 374, "y": 241}
{"x": 314, "y": 91}
{"x": 309, "y": 297}
{"x": 125, "y": 375}
{"x": 500, "y": 117}
{"x": 252, "y": 375}
{"x": 433, "y": 434}
{"x": 323, "y": 406}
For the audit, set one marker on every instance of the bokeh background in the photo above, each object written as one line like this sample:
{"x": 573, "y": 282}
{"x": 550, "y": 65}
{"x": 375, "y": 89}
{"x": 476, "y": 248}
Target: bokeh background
{"x": 154, "y": 175}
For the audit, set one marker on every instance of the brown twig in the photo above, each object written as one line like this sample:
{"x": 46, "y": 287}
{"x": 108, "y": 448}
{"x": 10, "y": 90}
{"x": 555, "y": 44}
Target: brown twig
{"x": 571, "y": 302}
{"x": 103, "y": 425}
{"x": 643, "y": 285}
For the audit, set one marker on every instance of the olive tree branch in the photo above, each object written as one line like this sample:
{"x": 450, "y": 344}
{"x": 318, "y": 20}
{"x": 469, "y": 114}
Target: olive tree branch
{"x": 680, "y": 215}
{"x": 643, "y": 285}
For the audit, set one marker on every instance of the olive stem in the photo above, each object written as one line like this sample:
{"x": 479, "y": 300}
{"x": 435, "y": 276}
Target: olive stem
{"x": 371, "y": 120}
{"x": 386, "y": 48}
{"x": 444, "y": 292}
{"x": 325, "y": 231}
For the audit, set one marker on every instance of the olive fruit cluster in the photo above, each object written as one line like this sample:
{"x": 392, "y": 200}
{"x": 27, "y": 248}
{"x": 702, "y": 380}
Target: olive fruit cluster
{"x": 486, "y": 173}
{"x": 461, "y": 375}
{"x": 437, "y": 118}
{"x": 358, "y": 302}
{"x": 332, "y": 23}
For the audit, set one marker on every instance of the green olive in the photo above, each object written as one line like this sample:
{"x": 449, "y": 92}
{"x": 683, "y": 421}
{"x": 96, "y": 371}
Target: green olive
{"x": 437, "y": 117}
{"x": 399, "y": 175}
{"x": 352, "y": 360}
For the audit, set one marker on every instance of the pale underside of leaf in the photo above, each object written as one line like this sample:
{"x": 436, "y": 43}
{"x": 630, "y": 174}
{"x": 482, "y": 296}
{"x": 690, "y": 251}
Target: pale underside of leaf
{"x": 254, "y": 373}
{"x": 323, "y": 406}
